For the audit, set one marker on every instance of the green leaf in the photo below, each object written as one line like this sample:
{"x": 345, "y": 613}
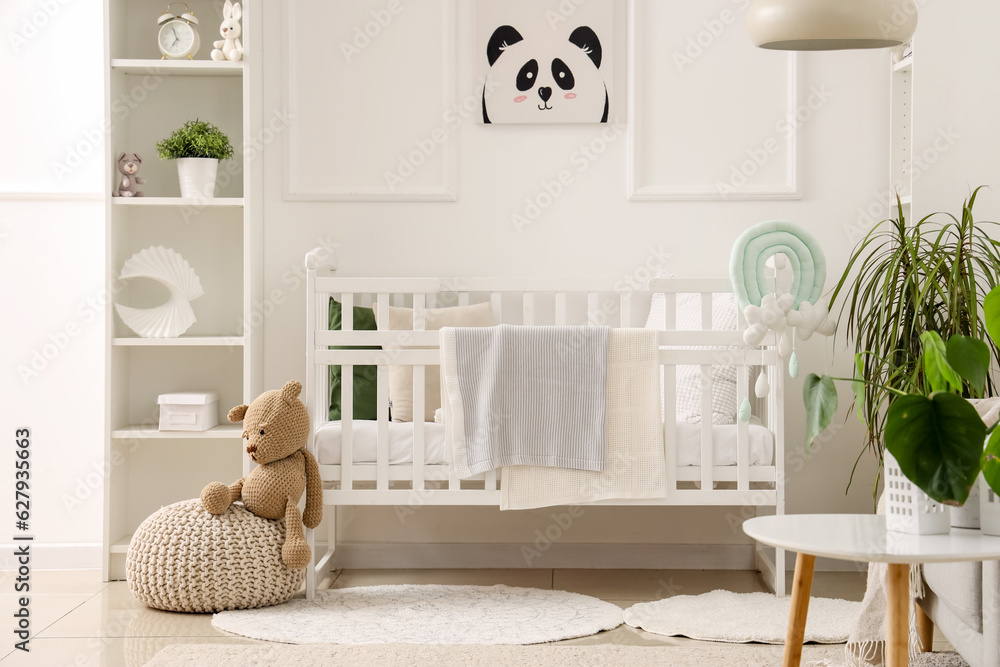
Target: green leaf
{"x": 938, "y": 442}
{"x": 991, "y": 461}
{"x": 939, "y": 373}
{"x": 820, "y": 397}
{"x": 991, "y": 311}
{"x": 858, "y": 385}
{"x": 970, "y": 357}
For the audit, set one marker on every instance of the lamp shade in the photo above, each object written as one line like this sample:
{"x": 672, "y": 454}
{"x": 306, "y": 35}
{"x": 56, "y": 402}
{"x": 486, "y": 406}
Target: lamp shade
{"x": 831, "y": 25}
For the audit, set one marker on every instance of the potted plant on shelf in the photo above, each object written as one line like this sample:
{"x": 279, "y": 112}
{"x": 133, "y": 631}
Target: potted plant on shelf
{"x": 197, "y": 146}
{"x": 904, "y": 279}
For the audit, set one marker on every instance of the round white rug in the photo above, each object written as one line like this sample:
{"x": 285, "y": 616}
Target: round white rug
{"x": 740, "y": 618}
{"x": 426, "y": 615}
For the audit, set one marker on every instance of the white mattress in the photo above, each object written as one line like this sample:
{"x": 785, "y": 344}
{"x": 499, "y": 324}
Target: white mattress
{"x": 365, "y": 434}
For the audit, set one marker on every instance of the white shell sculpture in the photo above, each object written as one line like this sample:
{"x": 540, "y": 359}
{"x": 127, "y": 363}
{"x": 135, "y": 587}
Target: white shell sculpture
{"x": 174, "y": 317}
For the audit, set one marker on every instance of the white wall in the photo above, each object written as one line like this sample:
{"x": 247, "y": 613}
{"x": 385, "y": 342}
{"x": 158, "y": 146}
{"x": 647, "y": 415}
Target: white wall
{"x": 956, "y": 132}
{"x": 51, "y": 267}
{"x": 592, "y": 229}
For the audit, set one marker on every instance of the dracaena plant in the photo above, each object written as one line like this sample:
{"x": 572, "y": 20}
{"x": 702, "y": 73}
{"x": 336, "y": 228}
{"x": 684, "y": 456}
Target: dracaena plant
{"x": 932, "y": 431}
{"x": 904, "y": 279}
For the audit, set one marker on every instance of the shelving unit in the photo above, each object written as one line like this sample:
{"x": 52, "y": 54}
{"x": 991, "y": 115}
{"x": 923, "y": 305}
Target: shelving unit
{"x": 217, "y": 202}
{"x": 146, "y": 99}
{"x": 901, "y": 134}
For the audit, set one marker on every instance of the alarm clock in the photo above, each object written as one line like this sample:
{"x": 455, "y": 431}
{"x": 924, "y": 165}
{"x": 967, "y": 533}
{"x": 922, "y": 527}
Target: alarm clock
{"x": 178, "y": 35}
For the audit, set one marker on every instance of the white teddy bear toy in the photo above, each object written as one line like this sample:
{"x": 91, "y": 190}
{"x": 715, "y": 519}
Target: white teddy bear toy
{"x": 230, "y": 47}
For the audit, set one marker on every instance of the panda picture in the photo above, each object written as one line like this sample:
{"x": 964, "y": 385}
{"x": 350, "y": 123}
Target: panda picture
{"x": 543, "y": 71}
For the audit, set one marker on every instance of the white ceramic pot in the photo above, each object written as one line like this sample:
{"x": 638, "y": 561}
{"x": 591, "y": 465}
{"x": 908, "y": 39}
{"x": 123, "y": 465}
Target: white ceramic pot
{"x": 197, "y": 177}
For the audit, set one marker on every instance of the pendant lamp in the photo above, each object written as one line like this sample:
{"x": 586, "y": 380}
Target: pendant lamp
{"x": 831, "y": 25}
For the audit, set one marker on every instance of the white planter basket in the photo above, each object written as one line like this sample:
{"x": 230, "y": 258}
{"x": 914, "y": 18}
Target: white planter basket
{"x": 197, "y": 177}
{"x": 989, "y": 509}
{"x": 907, "y": 508}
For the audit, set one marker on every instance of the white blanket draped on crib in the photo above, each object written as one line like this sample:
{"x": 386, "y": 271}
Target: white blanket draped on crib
{"x": 634, "y": 464}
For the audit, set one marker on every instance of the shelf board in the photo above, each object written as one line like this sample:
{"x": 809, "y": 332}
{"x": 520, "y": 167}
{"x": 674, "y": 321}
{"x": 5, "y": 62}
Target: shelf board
{"x": 177, "y": 67}
{"x": 120, "y": 546}
{"x": 142, "y": 431}
{"x": 182, "y": 341}
{"x": 903, "y": 64}
{"x": 178, "y": 201}
{"x": 906, "y": 201}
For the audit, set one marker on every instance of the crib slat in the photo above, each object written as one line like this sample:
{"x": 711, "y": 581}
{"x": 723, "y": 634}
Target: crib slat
{"x": 560, "y": 309}
{"x": 463, "y": 298}
{"x": 490, "y": 480}
{"x": 382, "y": 443}
{"x": 528, "y": 308}
{"x": 347, "y": 428}
{"x": 707, "y": 446}
{"x": 625, "y": 303}
{"x": 669, "y": 388}
{"x": 706, "y": 311}
{"x": 593, "y": 305}
{"x": 496, "y": 301}
{"x": 419, "y": 403}
{"x": 419, "y": 398}
{"x": 742, "y": 432}
{"x": 382, "y": 311}
{"x": 346, "y": 312}
{"x": 669, "y": 419}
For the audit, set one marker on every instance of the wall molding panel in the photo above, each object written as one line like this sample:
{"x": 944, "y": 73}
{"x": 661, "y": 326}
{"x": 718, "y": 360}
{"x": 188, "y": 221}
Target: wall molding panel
{"x": 305, "y": 89}
{"x": 708, "y": 39}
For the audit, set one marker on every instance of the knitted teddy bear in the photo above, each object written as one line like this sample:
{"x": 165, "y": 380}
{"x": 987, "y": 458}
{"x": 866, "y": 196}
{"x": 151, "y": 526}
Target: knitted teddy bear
{"x": 128, "y": 165}
{"x": 276, "y": 431}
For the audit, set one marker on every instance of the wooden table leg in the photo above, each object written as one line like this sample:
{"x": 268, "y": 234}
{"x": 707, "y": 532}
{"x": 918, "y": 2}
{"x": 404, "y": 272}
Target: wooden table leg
{"x": 801, "y": 587}
{"x": 925, "y": 630}
{"x": 897, "y": 620}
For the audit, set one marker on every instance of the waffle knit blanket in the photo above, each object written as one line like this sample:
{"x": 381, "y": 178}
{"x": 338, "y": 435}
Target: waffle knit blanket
{"x": 524, "y": 395}
{"x": 635, "y": 465}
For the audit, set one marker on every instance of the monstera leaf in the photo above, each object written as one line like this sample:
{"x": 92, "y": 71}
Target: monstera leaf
{"x": 938, "y": 442}
{"x": 820, "y": 397}
{"x": 991, "y": 461}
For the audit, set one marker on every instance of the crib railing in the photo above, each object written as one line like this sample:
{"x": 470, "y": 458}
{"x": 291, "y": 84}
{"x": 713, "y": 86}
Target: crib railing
{"x": 530, "y": 301}
{"x": 567, "y": 303}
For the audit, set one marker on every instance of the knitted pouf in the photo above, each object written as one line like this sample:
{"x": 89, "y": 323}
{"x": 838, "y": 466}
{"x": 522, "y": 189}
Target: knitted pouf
{"x": 184, "y": 559}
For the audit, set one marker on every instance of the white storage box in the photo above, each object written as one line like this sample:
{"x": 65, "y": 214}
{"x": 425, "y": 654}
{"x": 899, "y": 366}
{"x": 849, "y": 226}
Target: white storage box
{"x": 189, "y": 411}
{"x": 907, "y": 508}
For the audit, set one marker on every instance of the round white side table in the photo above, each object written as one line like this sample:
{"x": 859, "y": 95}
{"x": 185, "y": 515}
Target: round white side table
{"x": 863, "y": 537}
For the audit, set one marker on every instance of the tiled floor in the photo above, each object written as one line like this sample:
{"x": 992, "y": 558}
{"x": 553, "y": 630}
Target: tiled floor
{"x": 79, "y": 620}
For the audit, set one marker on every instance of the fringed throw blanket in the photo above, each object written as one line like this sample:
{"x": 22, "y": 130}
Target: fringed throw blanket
{"x": 635, "y": 466}
{"x": 516, "y": 395}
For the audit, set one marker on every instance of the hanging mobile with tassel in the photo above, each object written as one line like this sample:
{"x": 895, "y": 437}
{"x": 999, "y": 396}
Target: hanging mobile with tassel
{"x": 793, "y": 362}
{"x": 745, "y": 409}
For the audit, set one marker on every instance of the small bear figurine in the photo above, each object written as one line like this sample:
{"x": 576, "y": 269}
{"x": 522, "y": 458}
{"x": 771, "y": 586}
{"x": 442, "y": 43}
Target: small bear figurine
{"x": 128, "y": 165}
{"x": 229, "y": 48}
{"x": 276, "y": 430}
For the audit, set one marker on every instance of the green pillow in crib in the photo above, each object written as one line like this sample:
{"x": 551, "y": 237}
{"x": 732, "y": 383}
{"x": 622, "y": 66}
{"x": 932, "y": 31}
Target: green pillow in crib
{"x": 365, "y": 394}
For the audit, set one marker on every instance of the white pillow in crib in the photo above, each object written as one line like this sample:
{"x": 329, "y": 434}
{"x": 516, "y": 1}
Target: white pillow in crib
{"x": 724, "y": 317}
{"x": 401, "y": 377}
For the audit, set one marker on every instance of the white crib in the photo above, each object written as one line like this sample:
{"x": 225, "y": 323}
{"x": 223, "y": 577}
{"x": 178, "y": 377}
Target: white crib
{"x": 527, "y": 302}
